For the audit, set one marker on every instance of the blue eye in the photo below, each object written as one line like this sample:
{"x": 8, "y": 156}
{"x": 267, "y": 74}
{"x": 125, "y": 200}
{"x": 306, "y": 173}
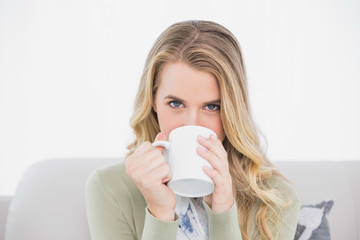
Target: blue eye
{"x": 212, "y": 107}
{"x": 175, "y": 104}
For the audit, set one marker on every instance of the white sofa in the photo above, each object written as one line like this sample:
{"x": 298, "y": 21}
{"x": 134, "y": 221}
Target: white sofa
{"x": 49, "y": 200}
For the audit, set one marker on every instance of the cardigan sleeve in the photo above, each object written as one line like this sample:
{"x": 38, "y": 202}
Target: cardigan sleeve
{"x": 223, "y": 225}
{"x": 105, "y": 217}
{"x": 108, "y": 221}
{"x": 157, "y": 229}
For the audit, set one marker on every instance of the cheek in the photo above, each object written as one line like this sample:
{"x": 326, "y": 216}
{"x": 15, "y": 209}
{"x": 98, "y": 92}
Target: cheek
{"x": 217, "y": 127}
{"x": 167, "y": 121}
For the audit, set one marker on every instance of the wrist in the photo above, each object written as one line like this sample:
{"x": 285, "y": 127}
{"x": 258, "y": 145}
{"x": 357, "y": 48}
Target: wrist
{"x": 221, "y": 208}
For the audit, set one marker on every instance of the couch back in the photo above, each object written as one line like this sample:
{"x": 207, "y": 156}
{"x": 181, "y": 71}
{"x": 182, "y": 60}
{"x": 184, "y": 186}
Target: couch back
{"x": 49, "y": 200}
{"x": 329, "y": 180}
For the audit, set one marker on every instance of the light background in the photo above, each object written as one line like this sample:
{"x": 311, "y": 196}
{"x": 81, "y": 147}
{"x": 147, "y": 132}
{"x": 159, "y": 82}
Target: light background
{"x": 69, "y": 70}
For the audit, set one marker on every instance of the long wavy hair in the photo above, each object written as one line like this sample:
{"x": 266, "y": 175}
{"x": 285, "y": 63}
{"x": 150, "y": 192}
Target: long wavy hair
{"x": 208, "y": 46}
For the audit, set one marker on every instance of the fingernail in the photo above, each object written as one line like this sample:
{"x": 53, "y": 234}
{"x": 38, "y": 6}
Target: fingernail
{"x": 160, "y": 135}
{"x": 202, "y": 138}
{"x": 213, "y": 137}
{"x": 201, "y": 149}
{"x": 207, "y": 168}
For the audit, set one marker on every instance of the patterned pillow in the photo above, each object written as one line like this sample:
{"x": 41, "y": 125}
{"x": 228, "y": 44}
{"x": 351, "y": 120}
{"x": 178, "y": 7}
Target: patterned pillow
{"x": 313, "y": 224}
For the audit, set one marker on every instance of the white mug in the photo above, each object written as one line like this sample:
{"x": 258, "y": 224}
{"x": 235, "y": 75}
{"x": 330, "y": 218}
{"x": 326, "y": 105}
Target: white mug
{"x": 188, "y": 178}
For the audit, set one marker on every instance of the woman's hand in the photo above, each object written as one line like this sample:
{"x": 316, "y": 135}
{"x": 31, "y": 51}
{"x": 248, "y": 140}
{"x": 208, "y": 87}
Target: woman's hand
{"x": 149, "y": 171}
{"x": 222, "y": 198}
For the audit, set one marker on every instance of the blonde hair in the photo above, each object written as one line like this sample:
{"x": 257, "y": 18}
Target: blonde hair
{"x": 210, "y": 47}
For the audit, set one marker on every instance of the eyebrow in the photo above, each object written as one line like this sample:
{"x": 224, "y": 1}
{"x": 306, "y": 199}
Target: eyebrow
{"x": 216, "y": 101}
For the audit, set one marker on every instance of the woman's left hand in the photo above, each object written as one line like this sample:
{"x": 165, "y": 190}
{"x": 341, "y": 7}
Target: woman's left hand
{"x": 222, "y": 198}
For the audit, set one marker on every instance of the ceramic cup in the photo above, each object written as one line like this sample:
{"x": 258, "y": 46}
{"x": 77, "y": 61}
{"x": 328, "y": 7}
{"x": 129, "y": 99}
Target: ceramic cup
{"x": 188, "y": 178}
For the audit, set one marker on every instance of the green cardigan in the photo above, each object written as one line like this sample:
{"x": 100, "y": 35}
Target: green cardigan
{"x": 116, "y": 210}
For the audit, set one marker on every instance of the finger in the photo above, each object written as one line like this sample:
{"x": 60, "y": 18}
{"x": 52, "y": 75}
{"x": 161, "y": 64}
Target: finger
{"x": 136, "y": 156}
{"x": 160, "y": 137}
{"x": 215, "y": 176}
{"x": 147, "y": 162}
{"x": 214, "y": 145}
{"x": 143, "y": 148}
{"x": 160, "y": 174}
{"x": 214, "y": 161}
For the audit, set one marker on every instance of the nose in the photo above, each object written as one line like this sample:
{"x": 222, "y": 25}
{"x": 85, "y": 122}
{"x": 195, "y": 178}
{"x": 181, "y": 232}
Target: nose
{"x": 192, "y": 117}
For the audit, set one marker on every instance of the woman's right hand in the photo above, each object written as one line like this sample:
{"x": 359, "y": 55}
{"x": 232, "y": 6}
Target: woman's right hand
{"x": 148, "y": 169}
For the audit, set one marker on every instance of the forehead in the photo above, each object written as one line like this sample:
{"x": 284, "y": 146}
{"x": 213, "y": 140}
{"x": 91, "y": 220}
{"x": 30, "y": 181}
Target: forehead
{"x": 184, "y": 81}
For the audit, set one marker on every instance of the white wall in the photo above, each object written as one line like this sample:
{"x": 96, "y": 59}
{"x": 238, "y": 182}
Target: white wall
{"x": 69, "y": 71}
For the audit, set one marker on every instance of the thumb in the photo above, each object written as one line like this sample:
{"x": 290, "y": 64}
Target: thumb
{"x": 160, "y": 137}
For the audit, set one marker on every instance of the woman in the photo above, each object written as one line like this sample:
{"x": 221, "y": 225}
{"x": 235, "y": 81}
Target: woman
{"x": 194, "y": 75}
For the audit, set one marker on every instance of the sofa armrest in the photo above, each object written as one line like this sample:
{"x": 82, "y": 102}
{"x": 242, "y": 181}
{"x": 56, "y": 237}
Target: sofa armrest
{"x": 4, "y": 207}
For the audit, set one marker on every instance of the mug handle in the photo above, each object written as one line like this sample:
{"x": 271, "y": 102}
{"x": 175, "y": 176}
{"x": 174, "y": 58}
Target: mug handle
{"x": 164, "y": 144}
